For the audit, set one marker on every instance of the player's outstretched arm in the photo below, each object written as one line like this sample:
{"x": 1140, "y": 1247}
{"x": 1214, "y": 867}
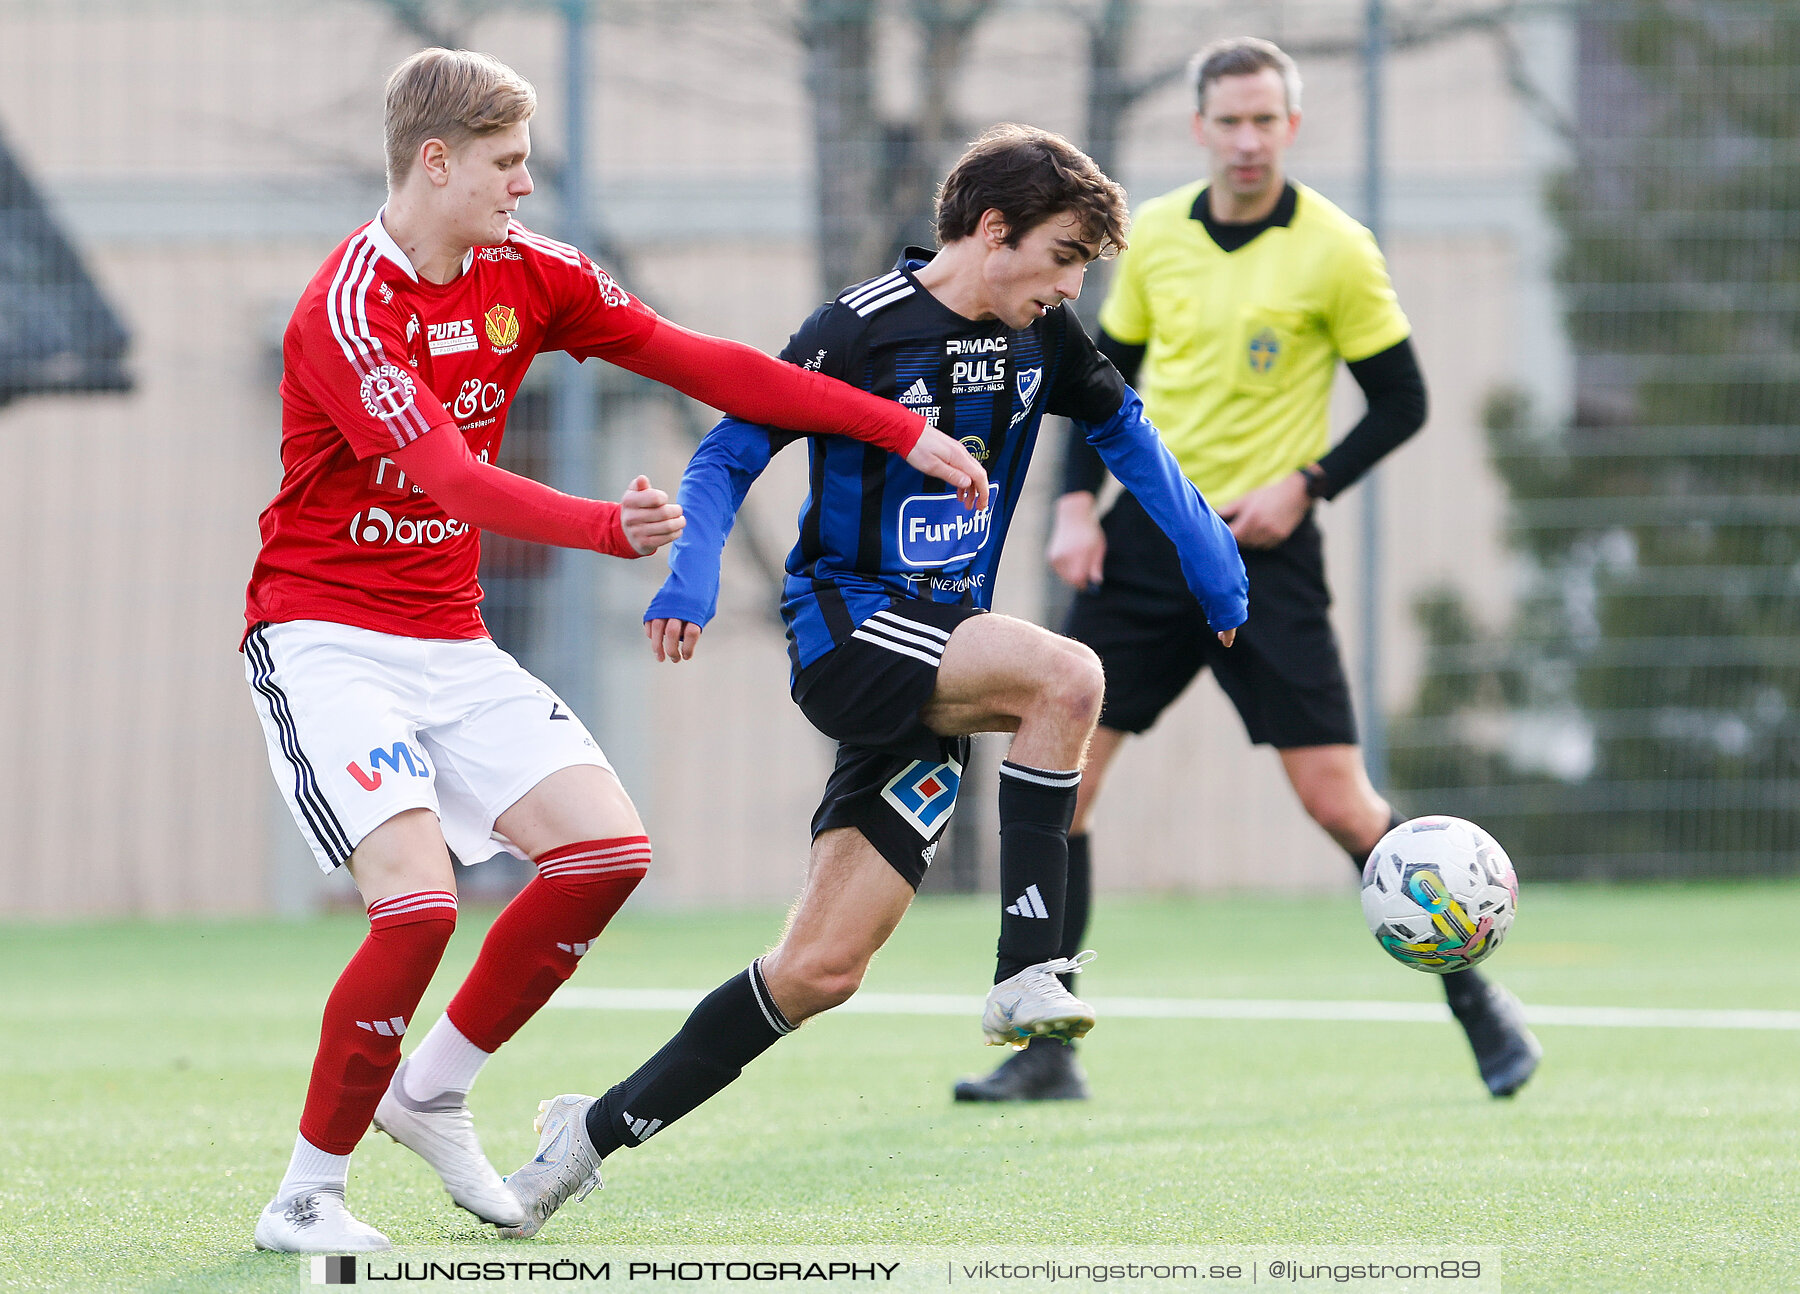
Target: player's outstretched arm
{"x": 648, "y": 518}
{"x": 713, "y": 487}
{"x": 491, "y": 498}
{"x": 757, "y": 388}
{"x": 1209, "y": 554}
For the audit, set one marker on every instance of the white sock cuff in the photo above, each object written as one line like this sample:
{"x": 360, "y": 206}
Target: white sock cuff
{"x": 1056, "y": 779}
{"x": 445, "y": 1061}
{"x": 312, "y": 1169}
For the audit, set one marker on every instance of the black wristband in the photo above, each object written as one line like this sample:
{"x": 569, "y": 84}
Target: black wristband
{"x": 1316, "y": 484}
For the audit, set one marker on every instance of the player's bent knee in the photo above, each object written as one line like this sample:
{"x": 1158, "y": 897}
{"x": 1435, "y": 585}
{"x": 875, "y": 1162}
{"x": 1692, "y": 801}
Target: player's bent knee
{"x": 596, "y": 869}
{"x": 824, "y": 977}
{"x": 1077, "y": 684}
{"x": 1341, "y": 814}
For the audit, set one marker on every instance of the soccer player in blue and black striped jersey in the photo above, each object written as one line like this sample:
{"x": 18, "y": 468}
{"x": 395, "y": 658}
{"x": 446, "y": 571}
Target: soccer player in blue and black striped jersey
{"x": 893, "y": 650}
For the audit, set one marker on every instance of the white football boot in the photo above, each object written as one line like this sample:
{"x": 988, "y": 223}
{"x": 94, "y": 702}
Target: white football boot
{"x": 564, "y": 1168}
{"x": 1034, "y": 1003}
{"x": 441, "y": 1131}
{"x": 316, "y": 1222}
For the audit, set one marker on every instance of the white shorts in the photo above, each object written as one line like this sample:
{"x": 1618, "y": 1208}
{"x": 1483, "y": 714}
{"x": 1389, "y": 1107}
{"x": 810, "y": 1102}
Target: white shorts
{"x": 362, "y": 725}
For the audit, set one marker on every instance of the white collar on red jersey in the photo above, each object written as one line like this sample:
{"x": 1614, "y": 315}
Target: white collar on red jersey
{"x": 385, "y": 244}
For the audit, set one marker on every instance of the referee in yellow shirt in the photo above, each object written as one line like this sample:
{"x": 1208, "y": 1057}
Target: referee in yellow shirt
{"x": 1229, "y": 313}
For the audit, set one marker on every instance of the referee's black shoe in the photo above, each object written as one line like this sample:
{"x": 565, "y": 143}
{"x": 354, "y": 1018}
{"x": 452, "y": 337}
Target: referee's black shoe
{"x": 1045, "y": 1071}
{"x": 1505, "y": 1050}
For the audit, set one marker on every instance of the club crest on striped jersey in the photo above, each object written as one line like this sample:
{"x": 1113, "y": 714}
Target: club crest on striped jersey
{"x": 924, "y": 794}
{"x": 502, "y": 328}
{"x": 1028, "y": 380}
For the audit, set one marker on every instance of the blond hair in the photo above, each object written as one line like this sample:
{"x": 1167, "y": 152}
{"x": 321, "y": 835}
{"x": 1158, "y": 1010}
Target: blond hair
{"x": 450, "y": 94}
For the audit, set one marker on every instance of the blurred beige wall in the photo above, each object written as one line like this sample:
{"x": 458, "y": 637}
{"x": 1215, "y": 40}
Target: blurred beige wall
{"x": 208, "y": 156}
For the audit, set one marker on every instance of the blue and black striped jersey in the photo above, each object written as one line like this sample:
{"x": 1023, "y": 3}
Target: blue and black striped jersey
{"x": 874, "y": 529}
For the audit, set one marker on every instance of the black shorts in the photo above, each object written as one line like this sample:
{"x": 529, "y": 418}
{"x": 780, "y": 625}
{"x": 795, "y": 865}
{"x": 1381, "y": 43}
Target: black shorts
{"x": 1284, "y": 673}
{"x": 895, "y": 779}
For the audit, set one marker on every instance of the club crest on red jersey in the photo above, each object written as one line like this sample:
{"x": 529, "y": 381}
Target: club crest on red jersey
{"x": 502, "y": 328}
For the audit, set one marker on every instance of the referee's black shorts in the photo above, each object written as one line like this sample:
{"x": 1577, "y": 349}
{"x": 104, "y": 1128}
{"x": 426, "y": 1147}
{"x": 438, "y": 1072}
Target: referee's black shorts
{"x": 1284, "y": 673}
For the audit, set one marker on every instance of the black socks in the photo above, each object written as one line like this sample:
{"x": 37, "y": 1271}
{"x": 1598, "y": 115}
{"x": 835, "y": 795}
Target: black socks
{"x": 732, "y": 1026}
{"x": 1036, "y": 806}
{"x": 1359, "y": 861}
{"x": 1077, "y": 902}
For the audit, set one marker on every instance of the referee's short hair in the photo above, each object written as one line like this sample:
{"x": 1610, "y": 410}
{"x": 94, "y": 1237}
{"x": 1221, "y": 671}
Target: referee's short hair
{"x": 450, "y": 94}
{"x": 1029, "y": 175}
{"x": 1242, "y": 56}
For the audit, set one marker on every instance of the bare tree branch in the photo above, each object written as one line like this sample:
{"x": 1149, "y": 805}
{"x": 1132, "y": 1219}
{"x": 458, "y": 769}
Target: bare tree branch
{"x": 1536, "y": 101}
{"x": 413, "y": 17}
{"x": 1412, "y": 31}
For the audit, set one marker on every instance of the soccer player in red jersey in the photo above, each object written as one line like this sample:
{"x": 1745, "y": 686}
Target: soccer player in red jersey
{"x": 397, "y": 731}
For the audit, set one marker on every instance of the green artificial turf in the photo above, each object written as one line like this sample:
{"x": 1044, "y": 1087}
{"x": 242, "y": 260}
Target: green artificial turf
{"x": 151, "y": 1076}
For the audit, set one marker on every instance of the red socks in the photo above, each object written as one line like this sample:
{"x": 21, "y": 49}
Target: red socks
{"x": 533, "y": 947}
{"x": 368, "y": 1011}
{"x": 535, "y": 944}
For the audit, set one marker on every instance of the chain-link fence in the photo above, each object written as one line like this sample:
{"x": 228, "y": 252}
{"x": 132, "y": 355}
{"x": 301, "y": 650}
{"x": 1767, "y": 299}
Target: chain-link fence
{"x": 1639, "y": 713}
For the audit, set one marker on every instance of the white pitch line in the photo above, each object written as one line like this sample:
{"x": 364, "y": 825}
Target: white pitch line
{"x": 1181, "y": 1008}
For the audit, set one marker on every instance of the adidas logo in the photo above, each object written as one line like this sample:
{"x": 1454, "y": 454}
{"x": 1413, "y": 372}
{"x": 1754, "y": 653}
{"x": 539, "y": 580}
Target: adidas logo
{"x": 392, "y": 1027}
{"x": 917, "y": 393}
{"x": 1029, "y": 904}
{"x": 577, "y": 949}
{"x": 929, "y": 852}
{"x": 640, "y": 1128}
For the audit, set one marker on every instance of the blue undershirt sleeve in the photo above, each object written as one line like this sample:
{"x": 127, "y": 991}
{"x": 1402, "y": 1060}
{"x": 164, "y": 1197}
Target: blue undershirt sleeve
{"x": 1131, "y": 448}
{"x": 713, "y": 487}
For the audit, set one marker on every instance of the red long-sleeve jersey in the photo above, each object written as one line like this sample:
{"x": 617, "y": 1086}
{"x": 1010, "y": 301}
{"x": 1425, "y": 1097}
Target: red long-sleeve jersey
{"x": 376, "y": 357}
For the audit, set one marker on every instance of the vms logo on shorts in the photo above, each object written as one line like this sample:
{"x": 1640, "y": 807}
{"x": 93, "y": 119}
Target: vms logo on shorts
{"x": 924, "y": 794}
{"x": 936, "y": 530}
{"x": 387, "y": 391}
{"x": 394, "y": 757}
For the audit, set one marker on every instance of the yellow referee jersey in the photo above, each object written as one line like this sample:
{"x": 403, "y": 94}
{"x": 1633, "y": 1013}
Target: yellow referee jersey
{"x": 1241, "y": 347}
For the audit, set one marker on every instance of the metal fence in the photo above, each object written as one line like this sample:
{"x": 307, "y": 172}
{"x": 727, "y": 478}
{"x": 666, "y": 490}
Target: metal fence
{"x": 1639, "y": 712}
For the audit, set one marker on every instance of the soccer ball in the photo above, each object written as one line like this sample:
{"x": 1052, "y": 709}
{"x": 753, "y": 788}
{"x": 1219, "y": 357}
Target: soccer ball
{"x": 1439, "y": 894}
